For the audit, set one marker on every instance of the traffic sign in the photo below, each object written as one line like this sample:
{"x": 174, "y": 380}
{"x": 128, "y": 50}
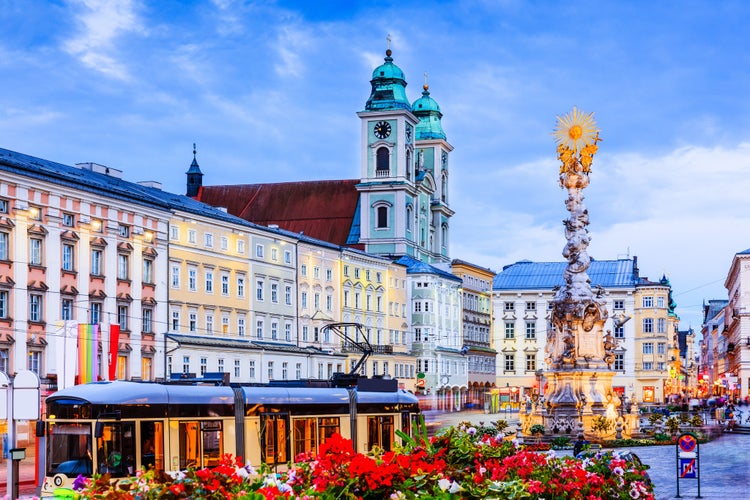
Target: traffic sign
{"x": 687, "y": 443}
{"x": 420, "y": 382}
{"x": 688, "y": 468}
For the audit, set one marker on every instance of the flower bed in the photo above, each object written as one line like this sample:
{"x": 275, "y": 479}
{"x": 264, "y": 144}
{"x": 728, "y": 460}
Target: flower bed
{"x": 457, "y": 463}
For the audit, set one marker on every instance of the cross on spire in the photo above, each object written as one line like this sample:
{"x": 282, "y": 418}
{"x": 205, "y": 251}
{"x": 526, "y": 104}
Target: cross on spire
{"x": 388, "y": 39}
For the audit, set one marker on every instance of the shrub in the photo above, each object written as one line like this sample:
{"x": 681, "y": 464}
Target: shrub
{"x": 537, "y": 430}
{"x": 600, "y": 424}
{"x": 560, "y": 442}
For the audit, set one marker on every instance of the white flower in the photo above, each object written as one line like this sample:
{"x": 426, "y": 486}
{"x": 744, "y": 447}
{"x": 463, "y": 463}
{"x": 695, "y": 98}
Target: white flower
{"x": 455, "y": 488}
{"x": 397, "y": 495}
{"x": 634, "y": 493}
{"x": 444, "y": 484}
{"x": 618, "y": 470}
{"x": 472, "y": 431}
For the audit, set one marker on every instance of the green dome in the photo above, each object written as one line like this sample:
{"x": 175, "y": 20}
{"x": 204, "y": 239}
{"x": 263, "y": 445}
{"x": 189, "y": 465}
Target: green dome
{"x": 427, "y": 110}
{"x": 388, "y": 87}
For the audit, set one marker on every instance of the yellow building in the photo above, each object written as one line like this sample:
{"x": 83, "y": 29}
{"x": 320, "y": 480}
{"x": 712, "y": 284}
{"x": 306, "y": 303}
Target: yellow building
{"x": 655, "y": 342}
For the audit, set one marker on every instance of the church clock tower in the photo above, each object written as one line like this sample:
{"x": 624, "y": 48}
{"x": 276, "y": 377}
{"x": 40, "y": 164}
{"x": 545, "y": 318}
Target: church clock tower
{"x": 403, "y": 207}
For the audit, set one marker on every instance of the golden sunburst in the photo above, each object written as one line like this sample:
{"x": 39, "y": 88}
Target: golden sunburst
{"x": 576, "y": 130}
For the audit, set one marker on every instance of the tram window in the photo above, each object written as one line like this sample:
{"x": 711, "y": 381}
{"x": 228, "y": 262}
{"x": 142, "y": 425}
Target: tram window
{"x": 380, "y": 432}
{"x": 274, "y": 437}
{"x": 406, "y": 423}
{"x": 304, "y": 435}
{"x": 116, "y": 448}
{"x": 69, "y": 449}
{"x": 327, "y": 427}
{"x": 152, "y": 445}
{"x": 200, "y": 444}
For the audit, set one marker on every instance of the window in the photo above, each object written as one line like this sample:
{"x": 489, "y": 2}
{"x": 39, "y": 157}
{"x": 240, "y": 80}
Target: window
{"x": 240, "y": 286}
{"x": 259, "y": 328}
{"x": 648, "y": 365}
{"x": 303, "y": 270}
{"x": 531, "y": 362}
{"x": 661, "y": 325}
{"x": 123, "y": 231}
{"x": 123, "y": 266}
{"x": 209, "y": 281}
{"x": 306, "y": 333}
{"x": 619, "y": 332}
{"x": 509, "y": 306}
{"x": 661, "y": 366}
{"x": 237, "y": 368}
{"x": 203, "y": 366}
{"x": 96, "y": 262}
{"x": 316, "y": 272}
{"x": 356, "y": 273}
{"x": 329, "y": 302}
{"x": 5, "y": 304}
{"x": 270, "y": 370}
{"x": 97, "y": 226}
{"x": 192, "y": 279}
{"x": 66, "y": 309}
{"x": 259, "y": 290}
{"x": 3, "y": 246}
{"x": 192, "y": 236}
{"x": 284, "y": 370}
{"x": 4, "y": 363}
{"x": 35, "y": 362}
{"x": 531, "y": 306}
{"x": 274, "y": 330}
{"x": 287, "y": 257}
{"x": 346, "y": 271}
{"x": 35, "y": 252}
{"x": 225, "y": 284}
{"x": 35, "y": 307}
{"x": 220, "y": 365}
{"x": 225, "y": 323}
{"x": 648, "y": 325}
{"x": 95, "y": 313}
{"x": 382, "y": 217}
{"x": 288, "y": 295}
{"x": 251, "y": 372}
{"x": 192, "y": 322}
{"x": 648, "y": 301}
{"x": 148, "y": 271}
{"x": 224, "y": 243}
{"x": 510, "y": 330}
{"x": 209, "y": 323}
{"x": 660, "y": 302}
{"x": 175, "y": 320}
{"x": 274, "y": 254}
{"x": 259, "y": 251}
{"x": 3, "y": 209}
{"x": 275, "y": 293}
{"x": 661, "y": 348}
{"x": 509, "y": 362}
{"x": 174, "y": 232}
{"x": 298, "y": 371}
{"x": 329, "y": 274}
{"x": 208, "y": 240}
{"x": 303, "y": 300}
{"x": 648, "y": 348}
{"x": 619, "y": 304}
{"x": 530, "y": 330}
{"x": 382, "y": 162}
{"x": 68, "y": 256}
{"x": 619, "y": 362}
{"x": 122, "y": 317}
{"x": 147, "y": 321}
{"x": 240, "y": 246}
{"x": 288, "y": 332}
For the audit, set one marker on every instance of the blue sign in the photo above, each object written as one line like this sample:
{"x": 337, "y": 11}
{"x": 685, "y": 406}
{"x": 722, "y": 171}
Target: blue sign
{"x": 688, "y": 468}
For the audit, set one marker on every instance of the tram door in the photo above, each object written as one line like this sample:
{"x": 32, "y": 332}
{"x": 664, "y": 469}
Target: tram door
{"x": 380, "y": 432}
{"x": 200, "y": 443}
{"x": 152, "y": 445}
{"x": 274, "y": 436}
{"x": 115, "y": 445}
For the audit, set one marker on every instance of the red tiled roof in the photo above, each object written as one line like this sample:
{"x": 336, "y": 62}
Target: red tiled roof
{"x": 320, "y": 209}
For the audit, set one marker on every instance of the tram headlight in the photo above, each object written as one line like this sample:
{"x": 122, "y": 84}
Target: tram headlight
{"x": 58, "y": 480}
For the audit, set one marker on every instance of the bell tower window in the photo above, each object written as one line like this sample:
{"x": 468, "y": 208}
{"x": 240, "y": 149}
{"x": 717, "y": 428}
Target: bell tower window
{"x": 382, "y": 162}
{"x": 382, "y": 214}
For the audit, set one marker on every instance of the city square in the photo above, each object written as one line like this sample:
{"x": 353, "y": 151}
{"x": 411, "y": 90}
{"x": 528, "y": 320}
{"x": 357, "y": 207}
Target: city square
{"x": 258, "y": 302}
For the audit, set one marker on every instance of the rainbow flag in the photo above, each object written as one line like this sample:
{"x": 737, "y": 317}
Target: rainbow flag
{"x": 88, "y": 345}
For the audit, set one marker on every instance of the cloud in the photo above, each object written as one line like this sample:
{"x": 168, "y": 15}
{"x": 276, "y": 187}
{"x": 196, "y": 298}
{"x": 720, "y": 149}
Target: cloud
{"x": 102, "y": 22}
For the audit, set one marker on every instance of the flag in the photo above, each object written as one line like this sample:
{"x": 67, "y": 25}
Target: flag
{"x": 88, "y": 346}
{"x": 66, "y": 354}
{"x": 114, "y": 342}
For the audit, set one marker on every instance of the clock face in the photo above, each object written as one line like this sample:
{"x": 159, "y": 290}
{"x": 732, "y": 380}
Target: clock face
{"x": 382, "y": 130}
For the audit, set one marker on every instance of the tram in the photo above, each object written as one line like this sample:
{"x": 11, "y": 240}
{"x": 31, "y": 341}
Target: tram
{"x": 120, "y": 427}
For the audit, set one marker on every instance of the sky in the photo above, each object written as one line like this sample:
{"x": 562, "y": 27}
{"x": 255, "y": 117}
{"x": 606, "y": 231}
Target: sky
{"x": 269, "y": 92}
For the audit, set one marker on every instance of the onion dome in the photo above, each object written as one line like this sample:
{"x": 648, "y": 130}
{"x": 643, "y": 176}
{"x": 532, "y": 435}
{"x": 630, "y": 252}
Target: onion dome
{"x": 427, "y": 110}
{"x": 388, "y": 87}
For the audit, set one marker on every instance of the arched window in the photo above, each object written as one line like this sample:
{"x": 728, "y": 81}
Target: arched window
{"x": 444, "y": 236}
{"x": 444, "y": 187}
{"x": 408, "y": 165}
{"x": 382, "y": 162}
{"x": 408, "y": 217}
{"x": 382, "y": 214}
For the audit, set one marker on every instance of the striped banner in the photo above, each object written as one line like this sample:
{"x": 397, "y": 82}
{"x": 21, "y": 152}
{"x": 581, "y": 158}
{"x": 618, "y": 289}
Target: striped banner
{"x": 88, "y": 346}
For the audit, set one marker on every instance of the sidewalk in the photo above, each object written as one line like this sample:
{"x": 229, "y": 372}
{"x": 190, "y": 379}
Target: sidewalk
{"x": 26, "y": 478}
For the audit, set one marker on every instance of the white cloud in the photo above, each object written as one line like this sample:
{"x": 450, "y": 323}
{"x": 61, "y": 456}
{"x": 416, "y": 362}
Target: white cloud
{"x": 102, "y": 22}
{"x": 291, "y": 42}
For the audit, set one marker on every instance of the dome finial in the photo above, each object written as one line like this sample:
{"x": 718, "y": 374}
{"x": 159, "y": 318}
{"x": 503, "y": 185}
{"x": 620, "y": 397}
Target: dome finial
{"x": 426, "y": 86}
{"x": 195, "y": 151}
{"x": 388, "y": 49}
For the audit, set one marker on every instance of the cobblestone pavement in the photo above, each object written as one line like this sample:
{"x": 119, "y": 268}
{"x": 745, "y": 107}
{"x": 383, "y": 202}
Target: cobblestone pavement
{"x": 724, "y": 462}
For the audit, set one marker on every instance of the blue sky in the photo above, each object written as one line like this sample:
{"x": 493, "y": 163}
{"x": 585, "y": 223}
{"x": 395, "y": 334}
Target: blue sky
{"x": 269, "y": 91}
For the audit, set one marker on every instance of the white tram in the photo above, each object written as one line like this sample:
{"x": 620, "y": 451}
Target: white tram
{"x": 119, "y": 427}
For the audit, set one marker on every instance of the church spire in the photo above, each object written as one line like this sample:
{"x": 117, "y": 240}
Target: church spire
{"x": 194, "y": 177}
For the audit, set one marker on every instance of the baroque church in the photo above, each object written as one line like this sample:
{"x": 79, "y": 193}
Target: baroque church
{"x": 399, "y": 207}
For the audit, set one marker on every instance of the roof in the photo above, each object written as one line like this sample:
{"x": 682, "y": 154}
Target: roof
{"x": 527, "y": 275}
{"x": 324, "y": 210}
{"x": 414, "y": 266}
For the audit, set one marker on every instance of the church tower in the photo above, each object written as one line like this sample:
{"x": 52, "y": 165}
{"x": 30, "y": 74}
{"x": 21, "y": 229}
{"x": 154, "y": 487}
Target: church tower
{"x": 194, "y": 177}
{"x": 403, "y": 206}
